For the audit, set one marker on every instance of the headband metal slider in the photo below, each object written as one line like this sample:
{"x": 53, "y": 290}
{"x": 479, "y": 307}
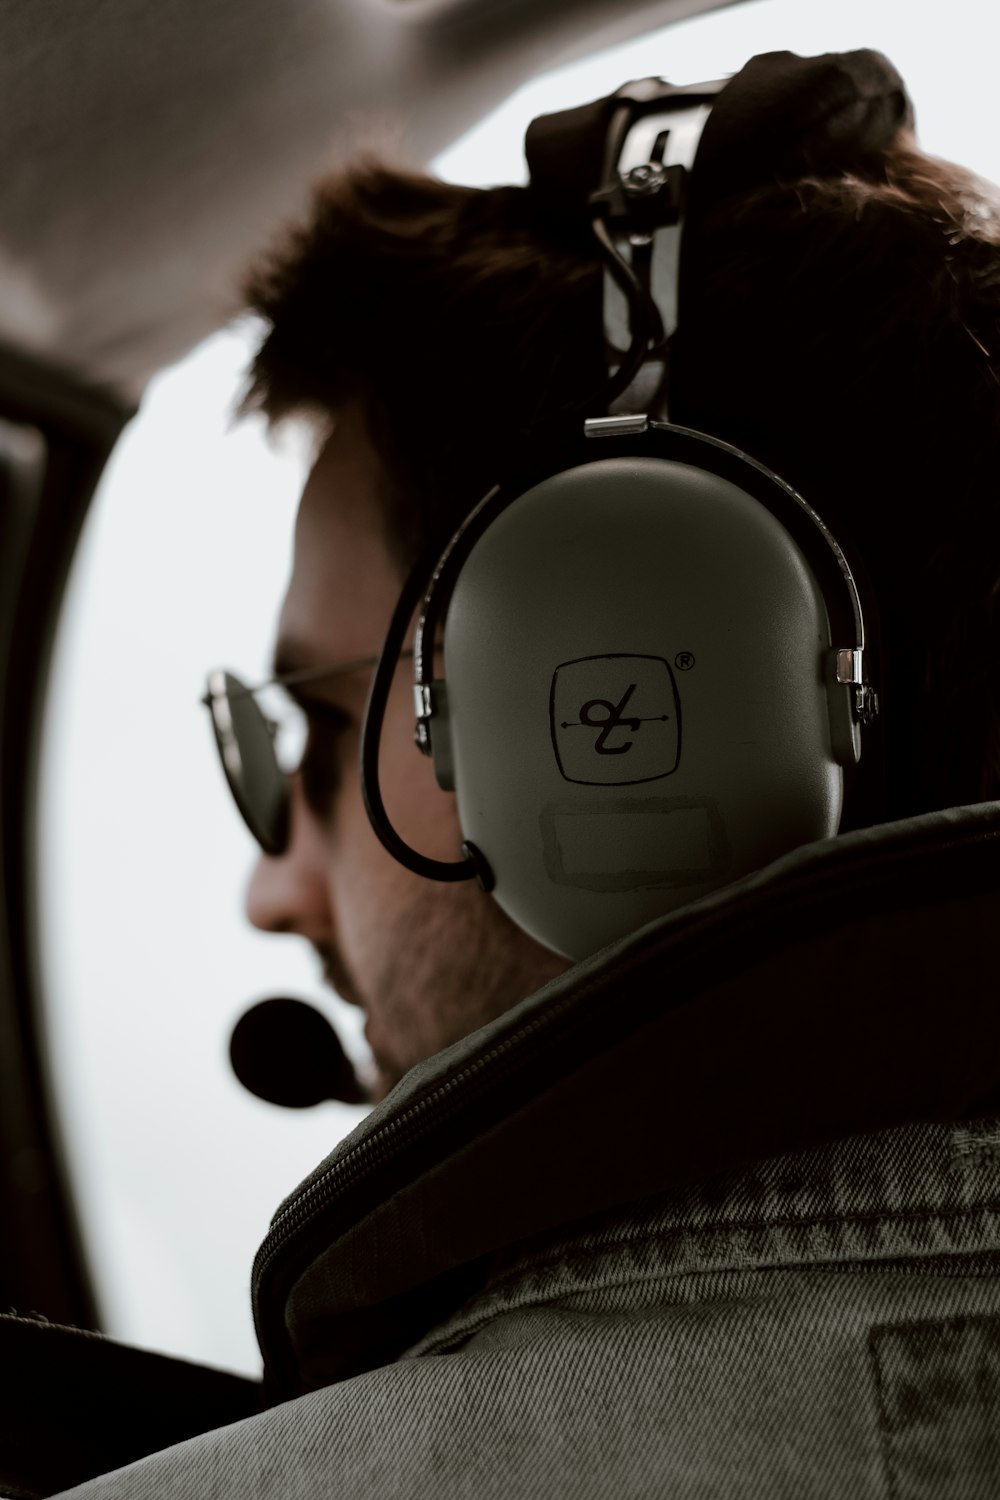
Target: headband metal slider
{"x": 595, "y": 427}
{"x": 851, "y": 666}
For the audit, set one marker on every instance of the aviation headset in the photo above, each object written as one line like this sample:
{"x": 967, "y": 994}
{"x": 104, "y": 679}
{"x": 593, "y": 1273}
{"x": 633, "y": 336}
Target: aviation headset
{"x": 655, "y": 652}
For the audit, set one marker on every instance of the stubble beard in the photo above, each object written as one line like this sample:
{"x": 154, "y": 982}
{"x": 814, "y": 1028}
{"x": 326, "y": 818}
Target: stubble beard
{"x": 451, "y": 962}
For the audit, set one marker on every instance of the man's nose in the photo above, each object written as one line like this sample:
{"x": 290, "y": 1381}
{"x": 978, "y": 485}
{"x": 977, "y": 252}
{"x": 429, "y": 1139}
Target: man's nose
{"x": 288, "y": 892}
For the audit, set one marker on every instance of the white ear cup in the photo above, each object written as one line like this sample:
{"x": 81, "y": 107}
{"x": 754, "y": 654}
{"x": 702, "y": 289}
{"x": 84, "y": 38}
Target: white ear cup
{"x": 641, "y": 704}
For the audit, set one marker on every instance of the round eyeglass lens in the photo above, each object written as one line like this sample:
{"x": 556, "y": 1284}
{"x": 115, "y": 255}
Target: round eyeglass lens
{"x": 246, "y": 740}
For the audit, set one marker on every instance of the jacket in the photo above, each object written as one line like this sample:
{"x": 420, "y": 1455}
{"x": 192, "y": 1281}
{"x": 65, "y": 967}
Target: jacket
{"x": 714, "y": 1214}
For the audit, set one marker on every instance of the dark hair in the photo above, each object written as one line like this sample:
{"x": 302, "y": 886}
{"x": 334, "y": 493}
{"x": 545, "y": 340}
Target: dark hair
{"x": 455, "y": 322}
{"x": 844, "y": 330}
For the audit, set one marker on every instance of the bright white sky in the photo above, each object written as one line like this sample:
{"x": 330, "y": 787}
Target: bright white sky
{"x": 148, "y": 961}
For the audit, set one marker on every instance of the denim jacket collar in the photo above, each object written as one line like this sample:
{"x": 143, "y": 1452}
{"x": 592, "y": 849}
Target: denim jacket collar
{"x": 849, "y": 988}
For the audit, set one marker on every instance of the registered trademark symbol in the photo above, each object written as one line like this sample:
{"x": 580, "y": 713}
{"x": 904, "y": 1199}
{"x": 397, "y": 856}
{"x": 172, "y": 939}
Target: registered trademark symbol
{"x": 684, "y": 661}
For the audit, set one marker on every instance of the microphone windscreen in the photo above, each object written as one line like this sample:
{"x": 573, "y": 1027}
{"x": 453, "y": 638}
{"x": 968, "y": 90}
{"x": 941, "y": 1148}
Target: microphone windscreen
{"x": 286, "y": 1052}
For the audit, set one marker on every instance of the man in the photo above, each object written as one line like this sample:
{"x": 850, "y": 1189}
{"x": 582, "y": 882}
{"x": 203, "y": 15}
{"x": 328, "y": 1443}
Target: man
{"x": 440, "y": 304}
{"x": 680, "y": 1221}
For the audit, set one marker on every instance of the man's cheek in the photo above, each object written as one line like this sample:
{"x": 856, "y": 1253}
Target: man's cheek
{"x": 365, "y": 897}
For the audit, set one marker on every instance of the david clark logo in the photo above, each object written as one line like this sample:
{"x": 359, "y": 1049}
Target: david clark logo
{"x": 615, "y": 720}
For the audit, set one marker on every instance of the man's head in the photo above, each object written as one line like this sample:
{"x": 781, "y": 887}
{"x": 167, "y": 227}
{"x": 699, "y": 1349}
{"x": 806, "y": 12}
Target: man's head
{"x": 840, "y": 327}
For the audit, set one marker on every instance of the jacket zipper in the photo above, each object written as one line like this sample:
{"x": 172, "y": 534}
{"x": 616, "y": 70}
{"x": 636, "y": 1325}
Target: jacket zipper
{"x": 419, "y": 1120}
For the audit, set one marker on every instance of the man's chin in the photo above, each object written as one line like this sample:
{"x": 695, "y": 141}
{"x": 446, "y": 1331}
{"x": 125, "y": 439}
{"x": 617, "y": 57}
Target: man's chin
{"x": 336, "y": 976}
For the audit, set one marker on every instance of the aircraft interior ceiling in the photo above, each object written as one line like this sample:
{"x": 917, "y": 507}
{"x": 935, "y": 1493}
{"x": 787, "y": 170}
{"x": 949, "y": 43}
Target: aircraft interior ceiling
{"x": 146, "y": 148}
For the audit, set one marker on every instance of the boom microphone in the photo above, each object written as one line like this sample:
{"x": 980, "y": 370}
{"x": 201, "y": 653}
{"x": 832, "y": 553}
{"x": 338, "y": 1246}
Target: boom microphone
{"x": 286, "y": 1052}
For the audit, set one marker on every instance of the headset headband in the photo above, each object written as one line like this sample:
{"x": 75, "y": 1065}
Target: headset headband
{"x": 630, "y": 157}
{"x": 651, "y": 135}
{"x": 780, "y": 117}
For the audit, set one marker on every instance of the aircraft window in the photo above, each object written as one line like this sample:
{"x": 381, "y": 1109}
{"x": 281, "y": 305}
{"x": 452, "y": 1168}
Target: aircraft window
{"x": 148, "y": 961}
{"x": 147, "y": 958}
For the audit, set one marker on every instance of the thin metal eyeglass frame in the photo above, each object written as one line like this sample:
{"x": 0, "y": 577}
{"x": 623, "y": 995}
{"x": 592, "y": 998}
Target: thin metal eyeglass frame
{"x": 305, "y": 674}
{"x": 217, "y": 704}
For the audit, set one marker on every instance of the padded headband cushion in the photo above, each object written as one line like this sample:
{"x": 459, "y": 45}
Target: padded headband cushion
{"x": 780, "y": 116}
{"x": 784, "y": 116}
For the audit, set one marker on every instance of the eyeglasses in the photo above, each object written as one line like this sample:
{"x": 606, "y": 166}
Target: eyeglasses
{"x": 261, "y": 735}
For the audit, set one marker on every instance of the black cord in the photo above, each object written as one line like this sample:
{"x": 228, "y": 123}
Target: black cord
{"x": 371, "y": 736}
{"x": 644, "y": 319}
